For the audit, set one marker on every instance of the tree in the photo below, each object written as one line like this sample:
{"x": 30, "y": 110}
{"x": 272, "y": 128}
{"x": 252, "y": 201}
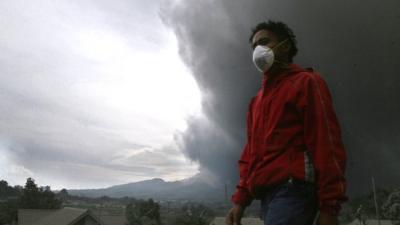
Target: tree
{"x": 7, "y": 191}
{"x": 367, "y": 203}
{"x": 3, "y": 188}
{"x": 391, "y": 208}
{"x": 30, "y": 195}
{"x": 141, "y": 212}
{"x": 8, "y": 211}
{"x": 190, "y": 214}
{"x": 38, "y": 198}
{"x": 48, "y": 199}
{"x": 9, "y": 202}
{"x": 63, "y": 194}
{"x": 27, "y": 197}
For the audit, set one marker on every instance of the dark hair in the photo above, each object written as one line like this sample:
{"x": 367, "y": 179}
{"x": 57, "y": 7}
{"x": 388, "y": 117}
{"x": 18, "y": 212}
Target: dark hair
{"x": 281, "y": 30}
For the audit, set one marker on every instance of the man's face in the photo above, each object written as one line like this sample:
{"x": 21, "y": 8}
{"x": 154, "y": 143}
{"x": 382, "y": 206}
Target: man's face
{"x": 267, "y": 38}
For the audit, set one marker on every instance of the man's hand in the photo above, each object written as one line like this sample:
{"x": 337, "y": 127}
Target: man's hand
{"x": 327, "y": 219}
{"x": 234, "y": 215}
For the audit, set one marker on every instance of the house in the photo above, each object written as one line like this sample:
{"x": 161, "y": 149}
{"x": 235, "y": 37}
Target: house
{"x": 65, "y": 216}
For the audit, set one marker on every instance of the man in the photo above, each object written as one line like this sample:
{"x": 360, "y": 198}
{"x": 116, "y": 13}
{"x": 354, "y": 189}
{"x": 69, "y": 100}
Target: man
{"x": 294, "y": 159}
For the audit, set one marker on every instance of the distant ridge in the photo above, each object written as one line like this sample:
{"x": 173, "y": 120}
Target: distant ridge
{"x": 197, "y": 188}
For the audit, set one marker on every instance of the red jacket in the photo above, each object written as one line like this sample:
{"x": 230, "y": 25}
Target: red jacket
{"x": 292, "y": 131}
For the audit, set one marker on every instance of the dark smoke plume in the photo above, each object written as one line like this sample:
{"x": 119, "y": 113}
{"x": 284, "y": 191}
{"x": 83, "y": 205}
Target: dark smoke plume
{"x": 355, "y": 46}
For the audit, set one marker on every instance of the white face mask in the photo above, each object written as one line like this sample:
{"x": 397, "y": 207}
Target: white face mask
{"x": 264, "y": 57}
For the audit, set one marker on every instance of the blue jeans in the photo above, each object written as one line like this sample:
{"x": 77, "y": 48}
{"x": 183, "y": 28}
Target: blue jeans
{"x": 290, "y": 203}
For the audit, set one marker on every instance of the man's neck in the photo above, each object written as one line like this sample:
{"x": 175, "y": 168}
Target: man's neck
{"x": 277, "y": 69}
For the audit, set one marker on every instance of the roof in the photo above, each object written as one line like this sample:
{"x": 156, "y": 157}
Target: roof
{"x": 245, "y": 221}
{"x": 29, "y": 216}
{"x": 65, "y": 216}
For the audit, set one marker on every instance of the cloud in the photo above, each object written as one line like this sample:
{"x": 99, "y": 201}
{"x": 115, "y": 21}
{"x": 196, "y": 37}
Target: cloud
{"x": 354, "y": 46}
{"x": 10, "y": 168}
{"x": 85, "y": 87}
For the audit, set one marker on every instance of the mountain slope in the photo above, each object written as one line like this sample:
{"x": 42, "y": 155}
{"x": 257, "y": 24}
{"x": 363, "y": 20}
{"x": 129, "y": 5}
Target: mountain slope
{"x": 194, "y": 188}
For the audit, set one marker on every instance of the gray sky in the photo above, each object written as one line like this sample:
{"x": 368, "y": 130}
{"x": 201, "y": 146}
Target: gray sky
{"x": 93, "y": 93}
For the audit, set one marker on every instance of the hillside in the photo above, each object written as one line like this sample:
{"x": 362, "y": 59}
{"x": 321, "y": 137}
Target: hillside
{"x": 194, "y": 188}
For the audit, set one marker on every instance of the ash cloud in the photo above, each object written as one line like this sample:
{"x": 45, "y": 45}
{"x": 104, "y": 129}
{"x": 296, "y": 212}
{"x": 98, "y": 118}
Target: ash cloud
{"x": 354, "y": 46}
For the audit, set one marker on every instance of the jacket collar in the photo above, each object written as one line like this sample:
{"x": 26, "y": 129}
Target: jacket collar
{"x": 292, "y": 69}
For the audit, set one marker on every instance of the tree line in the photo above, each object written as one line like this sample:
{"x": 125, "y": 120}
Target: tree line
{"x": 147, "y": 212}
{"x": 137, "y": 211}
{"x": 28, "y": 197}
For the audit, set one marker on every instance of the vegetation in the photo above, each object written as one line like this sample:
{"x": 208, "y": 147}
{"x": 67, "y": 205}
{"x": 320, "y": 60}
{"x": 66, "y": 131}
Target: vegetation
{"x": 147, "y": 212}
{"x": 363, "y": 207}
{"x": 391, "y": 207}
{"x": 190, "y": 214}
{"x": 29, "y": 197}
{"x": 141, "y": 212}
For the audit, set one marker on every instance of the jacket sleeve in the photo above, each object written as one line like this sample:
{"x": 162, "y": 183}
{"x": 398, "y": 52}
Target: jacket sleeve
{"x": 322, "y": 134}
{"x": 242, "y": 195}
